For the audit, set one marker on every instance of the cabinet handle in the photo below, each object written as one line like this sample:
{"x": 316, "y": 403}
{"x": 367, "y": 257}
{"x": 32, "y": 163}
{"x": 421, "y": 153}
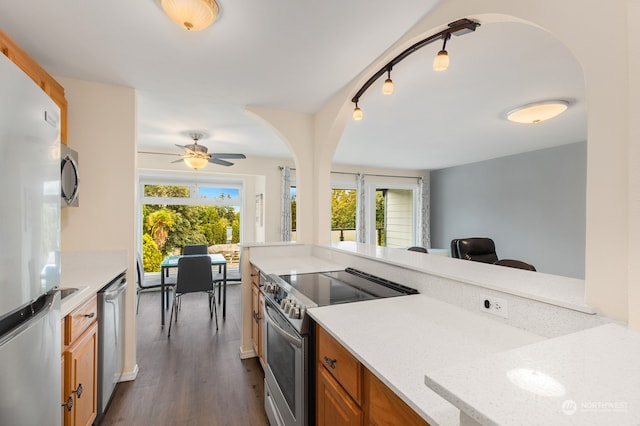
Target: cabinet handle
{"x": 78, "y": 391}
{"x": 91, "y": 315}
{"x": 69, "y": 403}
{"x": 331, "y": 362}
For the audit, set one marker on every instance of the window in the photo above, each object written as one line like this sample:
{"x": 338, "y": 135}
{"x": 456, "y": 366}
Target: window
{"x": 175, "y": 215}
{"x": 343, "y": 214}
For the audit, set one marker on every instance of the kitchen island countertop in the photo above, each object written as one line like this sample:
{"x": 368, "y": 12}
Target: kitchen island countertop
{"x": 590, "y": 377}
{"x": 399, "y": 339}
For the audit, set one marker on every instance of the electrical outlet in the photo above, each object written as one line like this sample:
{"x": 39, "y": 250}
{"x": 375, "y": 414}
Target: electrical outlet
{"x": 494, "y": 306}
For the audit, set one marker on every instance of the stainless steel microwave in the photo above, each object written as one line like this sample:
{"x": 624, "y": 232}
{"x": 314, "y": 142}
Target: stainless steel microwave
{"x": 69, "y": 180}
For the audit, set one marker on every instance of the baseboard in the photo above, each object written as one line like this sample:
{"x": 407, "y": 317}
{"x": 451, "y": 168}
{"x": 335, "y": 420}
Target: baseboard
{"x": 131, "y": 375}
{"x": 247, "y": 354}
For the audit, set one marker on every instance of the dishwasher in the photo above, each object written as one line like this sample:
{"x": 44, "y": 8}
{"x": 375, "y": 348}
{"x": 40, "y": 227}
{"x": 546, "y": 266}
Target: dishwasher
{"x": 110, "y": 339}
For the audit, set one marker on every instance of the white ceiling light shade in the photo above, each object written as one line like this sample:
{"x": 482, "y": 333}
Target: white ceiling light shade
{"x": 441, "y": 61}
{"x": 537, "y": 112}
{"x": 357, "y": 113}
{"x": 387, "y": 87}
{"x": 192, "y": 15}
{"x": 195, "y": 162}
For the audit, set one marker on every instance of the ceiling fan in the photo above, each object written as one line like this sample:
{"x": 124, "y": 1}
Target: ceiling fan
{"x": 196, "y": 156}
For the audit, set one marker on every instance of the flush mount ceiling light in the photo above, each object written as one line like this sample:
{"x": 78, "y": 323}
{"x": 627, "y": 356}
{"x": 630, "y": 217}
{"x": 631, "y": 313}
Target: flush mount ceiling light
{"x": 192, "y": 15}
{"x": 441, "y": 63}
{"x": 537, "y": 112}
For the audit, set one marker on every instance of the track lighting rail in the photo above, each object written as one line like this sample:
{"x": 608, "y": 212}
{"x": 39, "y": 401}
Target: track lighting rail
{"x": 459, "y": 27}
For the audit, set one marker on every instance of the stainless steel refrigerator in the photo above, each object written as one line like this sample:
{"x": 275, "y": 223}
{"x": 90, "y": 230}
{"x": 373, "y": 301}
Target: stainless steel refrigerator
{"x": 30, "y": 376}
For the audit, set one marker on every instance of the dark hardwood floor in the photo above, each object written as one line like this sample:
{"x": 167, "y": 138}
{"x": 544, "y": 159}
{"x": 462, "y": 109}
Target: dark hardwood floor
{"x": 196, "y": 377}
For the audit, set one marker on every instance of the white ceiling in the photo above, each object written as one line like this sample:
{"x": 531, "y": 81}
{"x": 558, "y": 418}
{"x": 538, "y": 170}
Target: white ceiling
{"x": 295, "y": 55}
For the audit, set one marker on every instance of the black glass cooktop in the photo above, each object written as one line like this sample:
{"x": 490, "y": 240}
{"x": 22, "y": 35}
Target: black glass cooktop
{"x": 350, "y": 285}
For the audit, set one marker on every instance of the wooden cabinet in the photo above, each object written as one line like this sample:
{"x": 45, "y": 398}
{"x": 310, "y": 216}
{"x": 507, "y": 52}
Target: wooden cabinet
{"x": 349, "y": 394}
{"x": 338, "y": 383}
{"x": 257, "y": 315}
{"x": 333, "y": 405}
{"x": 384, "y": 407}
{"x": 80, "y": 365}
{"x": 47, "y": 83}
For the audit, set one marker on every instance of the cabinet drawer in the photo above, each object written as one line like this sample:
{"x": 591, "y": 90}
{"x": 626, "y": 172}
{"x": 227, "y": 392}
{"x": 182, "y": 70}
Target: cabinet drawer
{"x": 80, "y": 319}
{"x": 343, "y": 366}
{"x": 255, "y": 275}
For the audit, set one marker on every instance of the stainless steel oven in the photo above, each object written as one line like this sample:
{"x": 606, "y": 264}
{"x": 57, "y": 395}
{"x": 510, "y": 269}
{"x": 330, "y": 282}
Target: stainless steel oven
{"x": 289, "y": 363}
{"x": 285, "y": 385}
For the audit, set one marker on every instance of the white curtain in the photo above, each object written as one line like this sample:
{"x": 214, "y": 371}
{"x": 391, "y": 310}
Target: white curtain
{"x": 424, "y": 196}
{"x": 285, "y": 216}
{"x": 361, "y": 231}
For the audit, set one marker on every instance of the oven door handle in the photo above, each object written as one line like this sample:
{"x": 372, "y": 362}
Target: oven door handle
{"x": 294, "y": 340}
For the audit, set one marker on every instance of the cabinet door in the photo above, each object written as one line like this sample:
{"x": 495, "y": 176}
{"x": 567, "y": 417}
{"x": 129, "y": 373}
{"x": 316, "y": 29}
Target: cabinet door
{"x": 384, "y": 407}
{"x": 83, "y": 370}
{"x": 334, "y": 406}
{"x": 261, "y": 328}
{"x": 63, "y": 396}
{"x": 255, "y": 326}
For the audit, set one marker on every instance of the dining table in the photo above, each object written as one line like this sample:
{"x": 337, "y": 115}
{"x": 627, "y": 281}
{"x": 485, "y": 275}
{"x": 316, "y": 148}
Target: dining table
{"x": 171, "y": 261}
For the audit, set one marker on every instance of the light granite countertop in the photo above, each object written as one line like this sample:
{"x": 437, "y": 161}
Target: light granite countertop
{"x": 589, "y": 378}
{"x": 400, "y": 338}
{"x": 89, "y": 272}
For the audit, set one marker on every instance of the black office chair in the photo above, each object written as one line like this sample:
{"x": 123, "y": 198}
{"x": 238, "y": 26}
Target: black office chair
{"x": 142, "y": 287}
{"x": 195, "y": 249}
{"x": 418, "y": 249}
{"x": 512, "y": 263}
{"x": 454, "y": 249}
{"x": 477, "y": 249}
{"x": 194, "y": 275}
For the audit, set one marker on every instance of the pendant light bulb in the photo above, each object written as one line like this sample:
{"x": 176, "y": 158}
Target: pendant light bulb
{"x": 441, "y": 62}
{"x": 357, "y": 113}
{"x": 387, "y": 87}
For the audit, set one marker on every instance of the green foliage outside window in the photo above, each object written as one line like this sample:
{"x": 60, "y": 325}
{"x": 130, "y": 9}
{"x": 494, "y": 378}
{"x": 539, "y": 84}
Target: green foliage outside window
{"x": 171, "y": 227}
{"x": 150, "y": 254}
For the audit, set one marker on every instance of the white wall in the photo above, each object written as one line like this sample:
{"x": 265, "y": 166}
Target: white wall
{"x": 102, "y": 128}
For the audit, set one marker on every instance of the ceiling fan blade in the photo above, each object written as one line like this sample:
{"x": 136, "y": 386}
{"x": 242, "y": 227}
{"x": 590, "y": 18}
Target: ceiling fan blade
{"x": 219, "y": 161}
{"x": 222, "y": 155}
{"x": 178, "y": 161}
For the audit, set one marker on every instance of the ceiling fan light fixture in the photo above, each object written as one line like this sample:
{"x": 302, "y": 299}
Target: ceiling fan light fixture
{"x": 537, "y": 112}
{"x": 195, "y": 162}
{"x": 192, "y": 15}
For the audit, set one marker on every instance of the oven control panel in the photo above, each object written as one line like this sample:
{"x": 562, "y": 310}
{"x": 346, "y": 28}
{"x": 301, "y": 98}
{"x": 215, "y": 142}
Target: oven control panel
{"x": 286, "y": 300}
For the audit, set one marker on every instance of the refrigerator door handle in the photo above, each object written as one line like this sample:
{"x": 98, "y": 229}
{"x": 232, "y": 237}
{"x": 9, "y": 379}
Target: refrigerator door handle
{"x": 44, "y": 311}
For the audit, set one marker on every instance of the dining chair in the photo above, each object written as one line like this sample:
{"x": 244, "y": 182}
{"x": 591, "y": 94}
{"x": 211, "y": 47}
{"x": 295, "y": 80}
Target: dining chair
{"x": 512, "y": 263}
{"x": 194, "y": 276}
{"x": 477, "y": 249}
{"x": 142, "y": 287}
{"x": 195, "y": 249}
{"x": 418, "y": 249}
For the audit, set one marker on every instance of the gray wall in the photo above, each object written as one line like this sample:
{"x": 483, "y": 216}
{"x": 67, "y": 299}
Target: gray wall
{"x": 532, "y": 205}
